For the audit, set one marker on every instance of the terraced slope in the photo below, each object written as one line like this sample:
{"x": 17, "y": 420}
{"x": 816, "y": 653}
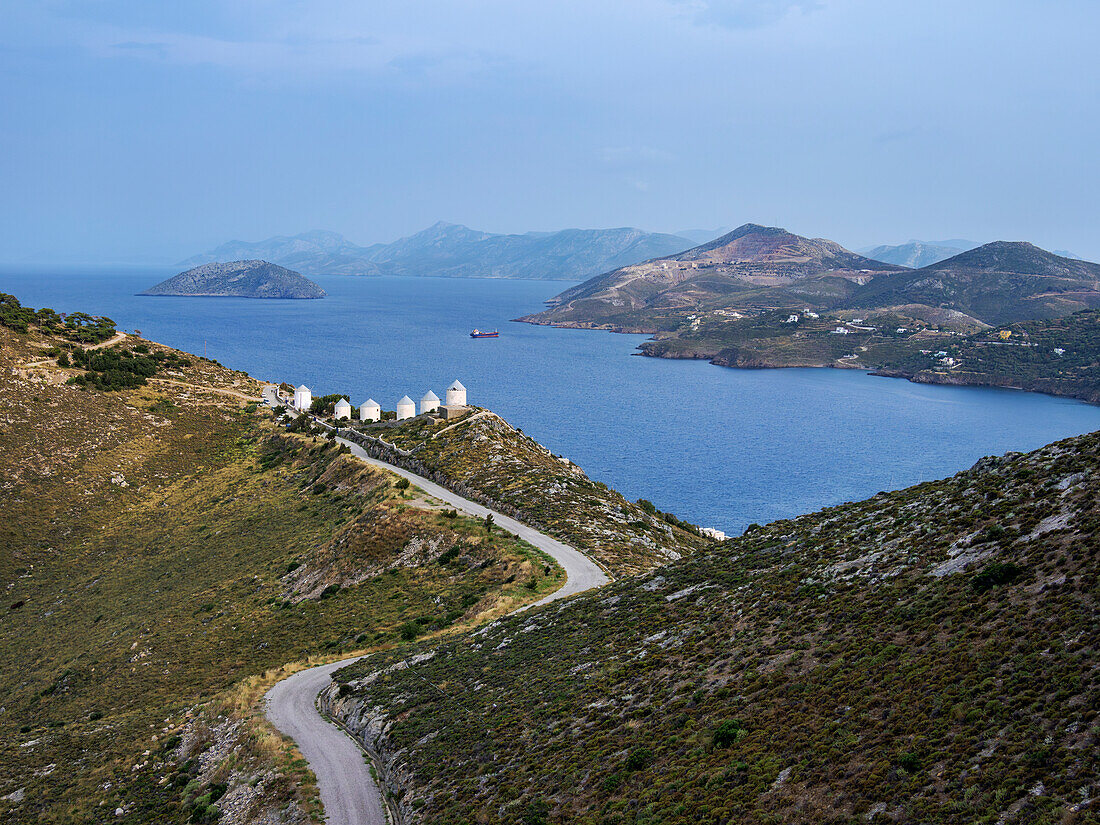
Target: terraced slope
{"x": 927, "y": 655}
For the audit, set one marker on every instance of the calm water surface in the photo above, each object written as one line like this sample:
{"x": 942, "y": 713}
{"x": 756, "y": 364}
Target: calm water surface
{"x": 717, "y": 446}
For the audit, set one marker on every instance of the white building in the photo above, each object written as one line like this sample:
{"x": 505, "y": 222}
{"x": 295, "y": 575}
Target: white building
{"x": 370, "y": 410}
{"x": 406, "y": 408}
{"x": 342, "y": 409}
{"x": 713, "y": 533}
{"x": 429, "y": 403}
{"x": 842, "y": 331}
{"x": 456, "y": 394}
{"x": 791, "y": 319}
{"x": 303, "y": 398}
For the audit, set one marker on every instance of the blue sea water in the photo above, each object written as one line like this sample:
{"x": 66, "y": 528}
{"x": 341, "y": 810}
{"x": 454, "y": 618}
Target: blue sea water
{"x": 719, "y": 447}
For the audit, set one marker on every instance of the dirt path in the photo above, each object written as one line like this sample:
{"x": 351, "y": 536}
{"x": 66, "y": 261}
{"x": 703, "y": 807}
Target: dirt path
{"x": 230, "y": 393}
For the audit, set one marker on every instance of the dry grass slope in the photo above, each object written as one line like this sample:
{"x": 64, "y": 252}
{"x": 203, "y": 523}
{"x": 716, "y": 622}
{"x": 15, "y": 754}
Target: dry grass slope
{"x": 156, "y": 550}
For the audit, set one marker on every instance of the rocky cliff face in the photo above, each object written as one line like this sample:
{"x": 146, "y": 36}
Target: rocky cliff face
{"x": 240, "y": 279}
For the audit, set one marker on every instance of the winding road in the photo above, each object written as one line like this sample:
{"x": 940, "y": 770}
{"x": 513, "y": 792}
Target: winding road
{"x": 349, "y": 793}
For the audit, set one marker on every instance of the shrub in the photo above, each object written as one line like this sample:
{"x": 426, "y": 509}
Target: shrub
{"x": 995, "y": 574}
{"x": 909, "y": 762}
{"x": 728, "y": 733}
{"x": 410, "y": 630}
{"x": 402, "y": 484}
{"x": 639, "y": 758}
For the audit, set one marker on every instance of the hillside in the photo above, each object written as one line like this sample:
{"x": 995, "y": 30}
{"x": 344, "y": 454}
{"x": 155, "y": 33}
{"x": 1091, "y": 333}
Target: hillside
{"x": 484, "y": 457}
{"x": 998, "y": 283}
{"x": 928, "y": 655}
{"x": 451, "y": 250}
{"x": 239, "y": 279}
{"x": 165, "y": 551}
{"x": 1059, "y": 356}
{"x": 748, "y": 267}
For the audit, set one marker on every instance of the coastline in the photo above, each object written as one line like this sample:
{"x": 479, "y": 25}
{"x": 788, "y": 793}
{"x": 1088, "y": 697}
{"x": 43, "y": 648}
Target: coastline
{"x": 1051, "y": 387}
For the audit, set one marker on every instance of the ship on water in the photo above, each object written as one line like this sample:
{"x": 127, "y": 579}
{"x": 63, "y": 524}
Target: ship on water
{"x": 477, "y": 333}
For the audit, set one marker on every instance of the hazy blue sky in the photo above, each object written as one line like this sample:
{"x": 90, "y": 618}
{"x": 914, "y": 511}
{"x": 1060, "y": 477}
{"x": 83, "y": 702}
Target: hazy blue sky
{"x": 140, "y": 128}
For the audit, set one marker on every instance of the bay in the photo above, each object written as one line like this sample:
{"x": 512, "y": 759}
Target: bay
{"x": 719, "y": 447}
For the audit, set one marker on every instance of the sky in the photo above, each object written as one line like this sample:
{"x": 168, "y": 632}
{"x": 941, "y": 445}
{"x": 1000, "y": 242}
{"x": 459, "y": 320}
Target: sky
{"x": 133, "y": 130}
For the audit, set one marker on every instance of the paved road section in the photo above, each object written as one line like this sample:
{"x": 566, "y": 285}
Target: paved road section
{"x": 348, "y": 792}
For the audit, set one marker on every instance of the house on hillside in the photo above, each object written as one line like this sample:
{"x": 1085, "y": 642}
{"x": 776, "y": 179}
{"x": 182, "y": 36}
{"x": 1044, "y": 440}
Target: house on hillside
{"x": 370, "y": 410}
{"x": 342, "y": 409}
{"x": 406, "y": 408}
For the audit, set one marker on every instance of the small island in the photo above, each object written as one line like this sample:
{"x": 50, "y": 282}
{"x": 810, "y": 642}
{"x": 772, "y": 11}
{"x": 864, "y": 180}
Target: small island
{"x": 239, "y": 279}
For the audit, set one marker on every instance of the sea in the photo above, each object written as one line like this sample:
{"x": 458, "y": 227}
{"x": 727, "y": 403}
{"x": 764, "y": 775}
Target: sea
{"x": 719, "y": 447}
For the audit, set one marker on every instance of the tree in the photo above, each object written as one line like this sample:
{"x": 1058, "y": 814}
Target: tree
{"x": 489, "y": 523}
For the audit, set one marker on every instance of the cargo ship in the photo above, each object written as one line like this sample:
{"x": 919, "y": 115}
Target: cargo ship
{"x": 477, "y": 333}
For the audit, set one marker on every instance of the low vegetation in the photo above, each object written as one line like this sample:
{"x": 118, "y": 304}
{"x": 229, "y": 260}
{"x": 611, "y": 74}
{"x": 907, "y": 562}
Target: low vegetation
{"x": 484, "y": 456}
{"x": 928, "y": 655}
{"x": 76, "y": 327}
{"x": 165, "y": 551}
{"x": 1059, "y": 356}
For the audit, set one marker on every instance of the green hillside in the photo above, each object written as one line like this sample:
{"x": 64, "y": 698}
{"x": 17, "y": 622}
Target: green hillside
{"x": 162, "y": 545}
{"x": 927, "y": 655}
{"x": 483, "y": 457}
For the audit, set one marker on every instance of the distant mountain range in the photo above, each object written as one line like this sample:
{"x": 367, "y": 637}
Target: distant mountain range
{"x": 238, "y": 279}
{"x": 758, "y": 268}
{"x": 916, "y": 254}
{"x": 452, "y": 250}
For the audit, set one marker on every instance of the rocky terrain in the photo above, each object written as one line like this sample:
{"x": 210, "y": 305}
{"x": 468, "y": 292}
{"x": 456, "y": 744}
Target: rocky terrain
{"x": 455, "y": 251}
{"x": 998, "y": 283}
{"x": 483, "y": 457}
{"x": 239, "y": 279}
{"x": 167, "y": 551}
{"x": 1057, "y": 356}
{"x": 748, "y": 266}
{"x": 760, "y": 297}
{"x": 928, "y": 655}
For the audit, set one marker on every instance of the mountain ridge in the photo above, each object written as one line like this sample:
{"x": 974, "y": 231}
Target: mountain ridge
{"x": 735, "y": 267}
{"x": 998, "y": 282}
{"x": 454, "y": 250}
